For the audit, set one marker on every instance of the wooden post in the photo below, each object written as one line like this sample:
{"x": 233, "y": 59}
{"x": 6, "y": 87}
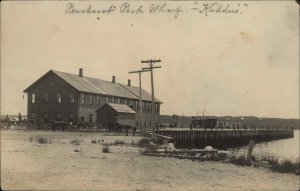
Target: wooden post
{"x": 205, "y": 136}
{"x": 141, "y": 105}
{"x": 250, "y": 149}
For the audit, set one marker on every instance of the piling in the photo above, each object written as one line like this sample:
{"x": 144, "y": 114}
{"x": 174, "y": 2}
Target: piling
{"x": 220, "y": 137}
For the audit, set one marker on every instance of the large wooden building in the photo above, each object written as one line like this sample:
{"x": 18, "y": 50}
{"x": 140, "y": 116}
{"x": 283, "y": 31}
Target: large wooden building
{"x": 75, "y": 98}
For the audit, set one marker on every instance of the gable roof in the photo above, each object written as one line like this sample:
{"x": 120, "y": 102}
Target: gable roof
{"x": 98, "y": 86}
{"x": 120, "y": 108}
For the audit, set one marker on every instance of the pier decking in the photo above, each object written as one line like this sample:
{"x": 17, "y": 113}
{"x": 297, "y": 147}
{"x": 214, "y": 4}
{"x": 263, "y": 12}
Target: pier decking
{"x": 221, "y": 138}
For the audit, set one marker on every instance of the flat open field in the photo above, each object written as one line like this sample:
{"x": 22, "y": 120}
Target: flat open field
{"x": 29, "y": 165}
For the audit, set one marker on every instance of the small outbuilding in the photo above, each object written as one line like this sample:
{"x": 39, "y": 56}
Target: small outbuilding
{"x": 111, "y": 113}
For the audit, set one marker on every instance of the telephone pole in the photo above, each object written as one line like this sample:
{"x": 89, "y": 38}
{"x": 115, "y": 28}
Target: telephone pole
{"x": 141, "y": 100}
{"x": 203, "y": 118}
{"x": 151, "y": 64}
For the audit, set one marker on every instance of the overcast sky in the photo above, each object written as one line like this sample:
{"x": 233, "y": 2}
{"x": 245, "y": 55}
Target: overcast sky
{"x": 227, "y": 64}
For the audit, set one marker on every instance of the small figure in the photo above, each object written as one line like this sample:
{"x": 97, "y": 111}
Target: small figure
{"x": 20, "y": 118}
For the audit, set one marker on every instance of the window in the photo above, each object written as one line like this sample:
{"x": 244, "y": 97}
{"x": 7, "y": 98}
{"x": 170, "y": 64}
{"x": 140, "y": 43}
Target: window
{"x": 109, "y": 99}
{"x": 126, "y": 101}
{"x": 58, "y": 116}
{"x": 145, "y": 106}
{"x": 91, "y": 99}
{"x": 115, "y": 100}
{"x": 122, "y": 101}
{"x": 150, "y": 106}
{"x": 130, "y": 104}
{"x": 46, "y": 98}
{"x": 33, "y": 98}
{"x": 82, "y": 119}
{"x": 156, "y": 107}
{"x": 97, "y": 100}
{"x": 82, "y": 99}
{"x": 58, "y": 98}
{"x": 118, "y": 100}
{"x": 71, "y": 98}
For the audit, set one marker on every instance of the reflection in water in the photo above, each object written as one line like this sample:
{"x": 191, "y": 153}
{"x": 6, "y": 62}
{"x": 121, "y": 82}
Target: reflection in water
{"x": 283, "y": 148}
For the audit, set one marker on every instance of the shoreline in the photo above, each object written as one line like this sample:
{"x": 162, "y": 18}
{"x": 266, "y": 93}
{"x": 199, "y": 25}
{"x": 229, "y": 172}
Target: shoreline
{"x": 30, "y": 166}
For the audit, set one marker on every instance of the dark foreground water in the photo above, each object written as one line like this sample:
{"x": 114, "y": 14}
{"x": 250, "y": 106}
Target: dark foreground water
{"x": 283, "y": 148}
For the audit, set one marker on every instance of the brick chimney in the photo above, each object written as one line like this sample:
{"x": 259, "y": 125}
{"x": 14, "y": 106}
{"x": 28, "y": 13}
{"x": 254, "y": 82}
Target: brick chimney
{"x": 80, "y": 72}
{"x": 113, "y": 79}
{"x": 129, "y": 82}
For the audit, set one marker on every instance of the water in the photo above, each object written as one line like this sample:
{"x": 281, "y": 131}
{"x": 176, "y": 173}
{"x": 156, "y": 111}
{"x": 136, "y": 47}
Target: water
{"x": 282, "y": 149}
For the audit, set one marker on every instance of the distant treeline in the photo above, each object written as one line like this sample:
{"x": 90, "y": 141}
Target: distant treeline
{"x": 247, "y": 120}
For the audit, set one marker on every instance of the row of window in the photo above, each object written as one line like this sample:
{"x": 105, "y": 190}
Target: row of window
{"x": 90, "y": 99}
{"x": 147, "y": 106}
{"x": 58, "y": 98}
{"x": 58, "y": 116}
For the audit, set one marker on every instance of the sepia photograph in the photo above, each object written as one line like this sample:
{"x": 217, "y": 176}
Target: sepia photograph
{"x": 149, "y": 95}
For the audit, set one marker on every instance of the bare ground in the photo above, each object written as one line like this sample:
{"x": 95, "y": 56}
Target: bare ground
{"x": 29, "y": 165}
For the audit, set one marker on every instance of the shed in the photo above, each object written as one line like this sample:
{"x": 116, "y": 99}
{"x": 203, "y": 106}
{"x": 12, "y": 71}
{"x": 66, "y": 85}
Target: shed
{"x": 111, "y": 113}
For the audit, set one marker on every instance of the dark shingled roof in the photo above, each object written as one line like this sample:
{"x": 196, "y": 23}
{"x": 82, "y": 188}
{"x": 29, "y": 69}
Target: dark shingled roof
{"x": 136, "y": 91}
{"x": 93, "y": 85}
{"x": 97, "y": 86}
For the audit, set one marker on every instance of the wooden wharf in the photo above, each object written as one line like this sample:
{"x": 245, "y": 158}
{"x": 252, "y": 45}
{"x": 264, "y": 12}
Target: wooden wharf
{"x": 222, "y": 138}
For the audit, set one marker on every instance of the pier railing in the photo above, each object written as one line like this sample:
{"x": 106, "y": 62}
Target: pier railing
{"x": 222, "y": 138}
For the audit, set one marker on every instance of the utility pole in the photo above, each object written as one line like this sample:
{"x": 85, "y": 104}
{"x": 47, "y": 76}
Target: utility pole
{"x": 151, "y": 64}
{"x": 141, "y": 99}
{"x": 203, "y": 118}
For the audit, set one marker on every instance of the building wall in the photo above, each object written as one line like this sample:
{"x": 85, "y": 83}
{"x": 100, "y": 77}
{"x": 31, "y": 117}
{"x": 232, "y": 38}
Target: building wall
{"x": 52, "y": 85}
{"x": 147, "y": 117}
{"x": 86, "y": 110}
{"x": 42, "y": 109}
{"x": 105, "y": 115}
